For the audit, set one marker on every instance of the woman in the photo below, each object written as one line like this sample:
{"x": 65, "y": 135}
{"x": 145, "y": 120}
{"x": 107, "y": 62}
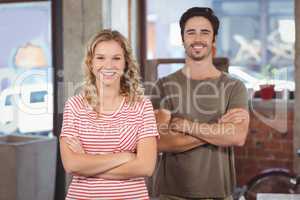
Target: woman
{"x": 108, "y": 138}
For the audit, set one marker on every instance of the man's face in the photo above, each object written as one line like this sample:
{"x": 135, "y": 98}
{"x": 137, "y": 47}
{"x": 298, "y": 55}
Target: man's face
{"x": 198, "y": 38}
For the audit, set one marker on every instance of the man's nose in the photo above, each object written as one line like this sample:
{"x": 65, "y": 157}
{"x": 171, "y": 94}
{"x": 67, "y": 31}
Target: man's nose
{"x": 198, "y": 37}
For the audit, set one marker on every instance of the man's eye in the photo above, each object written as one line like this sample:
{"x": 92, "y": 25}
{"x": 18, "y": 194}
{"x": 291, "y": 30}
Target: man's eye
{"x": 190, "y": 33}
{"x": 205, "y": 32}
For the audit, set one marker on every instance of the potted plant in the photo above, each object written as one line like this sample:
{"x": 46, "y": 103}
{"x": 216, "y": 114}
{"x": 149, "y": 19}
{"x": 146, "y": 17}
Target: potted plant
{"x": 267, "y": 89}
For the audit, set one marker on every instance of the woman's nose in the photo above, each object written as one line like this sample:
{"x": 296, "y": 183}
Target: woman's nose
{"x": 107, "y": 63}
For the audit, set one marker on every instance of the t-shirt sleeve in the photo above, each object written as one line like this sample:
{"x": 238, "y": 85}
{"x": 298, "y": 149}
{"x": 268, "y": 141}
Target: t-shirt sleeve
{"x": 69, "y": 127}
{"x": 148, "y": 127}
{"x": 238, "y": 97}
{"x": 155, "y": 94}
{"x": 158, "y": 96}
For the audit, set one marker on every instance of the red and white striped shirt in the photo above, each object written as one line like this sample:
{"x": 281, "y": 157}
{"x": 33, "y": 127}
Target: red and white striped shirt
{"x": 116, "y": 132}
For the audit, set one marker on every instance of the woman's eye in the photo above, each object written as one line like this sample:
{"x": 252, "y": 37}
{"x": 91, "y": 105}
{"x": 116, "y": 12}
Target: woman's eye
{"x": 99, "y": 58}
{"x": 117, "y": 58}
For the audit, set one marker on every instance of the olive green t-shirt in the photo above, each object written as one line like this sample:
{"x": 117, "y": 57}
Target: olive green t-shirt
{"x": 207, "y": 170}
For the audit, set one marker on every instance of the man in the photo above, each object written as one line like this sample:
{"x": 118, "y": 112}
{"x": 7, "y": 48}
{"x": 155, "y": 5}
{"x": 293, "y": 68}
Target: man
{"x": 201, "y": 114}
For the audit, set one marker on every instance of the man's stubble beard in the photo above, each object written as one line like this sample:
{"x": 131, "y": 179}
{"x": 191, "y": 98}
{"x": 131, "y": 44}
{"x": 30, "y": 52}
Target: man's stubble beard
{"x": 198, "y": 58}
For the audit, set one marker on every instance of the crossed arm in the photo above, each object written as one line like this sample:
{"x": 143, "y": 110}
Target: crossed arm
{"x": 117, "y": 166}
{"x": 173, "y": 141}
{"x": 231, "y": 129}
{"x": 179, "y": 135}
{"x": 142, "y": 165}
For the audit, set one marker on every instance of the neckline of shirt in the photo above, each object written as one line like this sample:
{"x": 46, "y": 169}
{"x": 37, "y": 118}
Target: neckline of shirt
{"x": 110, "y": 114}
{"x": 207, "y": 79}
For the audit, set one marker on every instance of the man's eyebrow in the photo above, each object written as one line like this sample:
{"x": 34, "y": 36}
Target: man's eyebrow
{"x": 202, "y": 30}
{"x": 190, "y": 30}
{"x": 205, "y": 30}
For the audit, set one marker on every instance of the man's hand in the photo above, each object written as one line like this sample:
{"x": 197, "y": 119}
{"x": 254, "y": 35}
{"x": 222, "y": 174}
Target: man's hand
{"x": 181, "y": 125}
{"x": 163, "y": 118}
{"x": 236, "y": 115}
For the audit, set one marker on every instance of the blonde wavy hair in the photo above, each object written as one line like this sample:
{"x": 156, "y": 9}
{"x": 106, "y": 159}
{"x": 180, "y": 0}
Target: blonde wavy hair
{"x": 130, "y": 84}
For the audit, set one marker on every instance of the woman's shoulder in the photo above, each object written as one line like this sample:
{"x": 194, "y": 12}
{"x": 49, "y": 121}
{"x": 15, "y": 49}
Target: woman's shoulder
{"x": 76, "y": 102}
{"x": 141, "y": 103}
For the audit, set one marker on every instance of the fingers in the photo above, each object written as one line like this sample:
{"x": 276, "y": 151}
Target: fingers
{"x": 235, "y": 111}
{"x": 165, "y": 111}
{"x": 235, "y": 116}
{"x": 74, "y": 144}
{"x": 129, "y": 156}
{"x": 174, "y": 132}
{"x": 179, "y": 124}
{"x": 72, "y": 141}
{"x": 176, "y": 119}
{"x": 74, "y": 149}
{"x": 176, "y": 123}
{"x": 163, "y": 116}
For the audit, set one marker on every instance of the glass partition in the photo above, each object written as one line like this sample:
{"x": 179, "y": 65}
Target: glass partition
{"x": 26, "y": 94}
{"x": 257, "y": 36}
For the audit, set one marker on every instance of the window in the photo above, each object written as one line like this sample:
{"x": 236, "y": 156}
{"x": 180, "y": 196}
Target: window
{"x": 255, "y": 35}
{"x": 8, "y": 100}
{"x": 37, "y": 97}
{"x": 25, "y": 62}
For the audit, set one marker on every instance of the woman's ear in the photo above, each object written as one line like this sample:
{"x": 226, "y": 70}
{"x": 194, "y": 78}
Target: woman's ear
{"x": 126, "y": 68}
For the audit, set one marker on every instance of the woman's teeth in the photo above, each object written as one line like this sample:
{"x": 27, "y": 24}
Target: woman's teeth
{"x": 108, "y": 73}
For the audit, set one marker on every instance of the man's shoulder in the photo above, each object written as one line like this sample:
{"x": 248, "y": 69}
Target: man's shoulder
{"x": 228, "y": 78}
{"x": 175, "y": 76}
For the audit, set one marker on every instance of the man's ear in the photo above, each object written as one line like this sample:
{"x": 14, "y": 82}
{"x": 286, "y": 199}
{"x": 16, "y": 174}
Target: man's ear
{"x": 214, "y": 40}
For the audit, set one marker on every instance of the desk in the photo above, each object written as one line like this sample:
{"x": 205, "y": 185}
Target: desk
{"x": 278, "y": 196}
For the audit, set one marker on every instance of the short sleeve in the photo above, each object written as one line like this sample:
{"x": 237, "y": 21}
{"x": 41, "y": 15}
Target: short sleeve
{"x": 148, "y": 127}
{"x": 155, "y": 94}
{"x": 69, "y": 127}
{"x": 238, "y": 97}
{"x": 158, "y": 96}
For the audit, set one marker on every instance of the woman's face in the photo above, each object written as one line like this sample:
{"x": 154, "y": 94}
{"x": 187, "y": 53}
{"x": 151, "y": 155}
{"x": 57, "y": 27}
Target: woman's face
{"x": 108, "y": 63}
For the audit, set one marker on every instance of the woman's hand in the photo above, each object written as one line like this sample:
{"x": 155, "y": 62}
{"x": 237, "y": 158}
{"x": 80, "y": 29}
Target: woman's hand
{"x": 128, "y": 156}
{"x": 75, "y": 145}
